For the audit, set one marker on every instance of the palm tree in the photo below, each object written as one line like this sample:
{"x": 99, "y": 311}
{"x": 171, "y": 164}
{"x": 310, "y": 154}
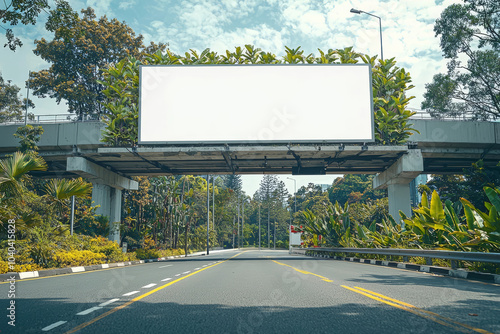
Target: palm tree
{"x": 58, "y": 191}
{"x": 14, "y": 169}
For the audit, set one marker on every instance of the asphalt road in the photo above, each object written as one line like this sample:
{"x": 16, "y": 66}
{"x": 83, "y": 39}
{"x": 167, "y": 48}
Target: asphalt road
{"x": 252, "y": 292}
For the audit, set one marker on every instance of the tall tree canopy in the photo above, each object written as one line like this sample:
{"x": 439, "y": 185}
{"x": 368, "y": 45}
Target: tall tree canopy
{"x": 82, "y": 47}
{"x": 470, "y": 39}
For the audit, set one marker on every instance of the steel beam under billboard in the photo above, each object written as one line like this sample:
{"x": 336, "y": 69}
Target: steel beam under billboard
{"x": 255, "y": 104}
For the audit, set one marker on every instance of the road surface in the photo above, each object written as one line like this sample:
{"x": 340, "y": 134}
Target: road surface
{"x": 252, "y": 292}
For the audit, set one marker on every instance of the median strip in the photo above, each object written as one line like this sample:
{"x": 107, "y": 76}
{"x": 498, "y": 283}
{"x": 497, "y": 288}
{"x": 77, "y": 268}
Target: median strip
{"x": 464, "y": 328}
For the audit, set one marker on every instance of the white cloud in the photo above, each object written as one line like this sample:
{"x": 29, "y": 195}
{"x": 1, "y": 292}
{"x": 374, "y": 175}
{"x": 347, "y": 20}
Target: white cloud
{"x": 126, "y": 4}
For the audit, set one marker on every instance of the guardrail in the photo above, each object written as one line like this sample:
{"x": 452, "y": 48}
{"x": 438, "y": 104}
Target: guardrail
{"x": 405, "y": 253}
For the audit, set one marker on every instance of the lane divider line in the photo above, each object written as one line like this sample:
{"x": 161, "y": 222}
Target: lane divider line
{"x": 196, "y": 268}
{"x": 89, "y": 310}
{"x": 464, "y": 328}
{"x": 177, "y": 275}
{"x": 186, "y": 272}
{"x": 150, "y": 285}
{"x": 54, "y": 325}
{"x": 111, "y": 301}
{"x": 166, "y": 279}
{"x": 303, "y": 271}
{"x": 124, "y": 305}
{"x": 130, "y": 293}
{"x": 168, "y": 265}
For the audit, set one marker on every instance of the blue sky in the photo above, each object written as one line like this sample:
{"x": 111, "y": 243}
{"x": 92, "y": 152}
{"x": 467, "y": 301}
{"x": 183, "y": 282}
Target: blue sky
{"x": 268, "y": 24}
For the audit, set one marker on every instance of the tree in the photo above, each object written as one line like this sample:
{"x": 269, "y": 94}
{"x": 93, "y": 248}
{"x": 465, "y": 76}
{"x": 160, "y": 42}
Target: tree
{"x": 353, "y": 188}
{"x": 232, "y": 181}
{"x": 470, "y": 39}
{"x": 11, "y": 106}
{"x": 14, "y": 170}
{"x": 20, "y": 11}
{"x": 81, "y": 49}
{"x": 29, "y": 136}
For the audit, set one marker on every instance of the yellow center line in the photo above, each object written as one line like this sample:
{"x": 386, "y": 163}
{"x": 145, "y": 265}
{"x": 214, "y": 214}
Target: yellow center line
{"x": 464, "y": 328}
{"x": 303, "y": 271}
{"x": 85, "y": 324}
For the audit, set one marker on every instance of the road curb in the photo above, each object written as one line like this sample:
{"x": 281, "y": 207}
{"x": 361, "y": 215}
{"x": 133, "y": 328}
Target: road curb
{"x": 458, "y": 273}
{"x": 77, "y": 269}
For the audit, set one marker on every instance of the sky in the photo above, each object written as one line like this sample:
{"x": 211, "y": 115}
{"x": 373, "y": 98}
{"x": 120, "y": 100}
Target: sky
{"x": 407, "y": 30}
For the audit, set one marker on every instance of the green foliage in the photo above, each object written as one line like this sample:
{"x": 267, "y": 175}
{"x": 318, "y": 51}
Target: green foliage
{"x": 353, "y": 188}
{"x": 29, "y": 136}
{"x": 470, "y": 40}
{"x": 334, "y": 227}
{"x": 469, "y": 185}
{"x": 390, "y": 86}
{"x": 14, "y": 170}
{"x": 81, "y": 48}
{"x": 20, "y": 11}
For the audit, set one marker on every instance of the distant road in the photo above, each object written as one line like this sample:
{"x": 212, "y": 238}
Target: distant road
{"x": 252, "y": 292}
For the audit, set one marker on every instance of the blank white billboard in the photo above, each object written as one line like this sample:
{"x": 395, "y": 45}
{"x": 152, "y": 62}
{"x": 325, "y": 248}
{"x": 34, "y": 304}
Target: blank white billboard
{"x": 255, "y": 104}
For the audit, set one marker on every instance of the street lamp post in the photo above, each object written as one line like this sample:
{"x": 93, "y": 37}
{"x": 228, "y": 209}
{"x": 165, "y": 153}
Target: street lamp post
{"x": 357, "y": 11}
{"x": 208, "y": 214}
{"x": 294, "y": 193}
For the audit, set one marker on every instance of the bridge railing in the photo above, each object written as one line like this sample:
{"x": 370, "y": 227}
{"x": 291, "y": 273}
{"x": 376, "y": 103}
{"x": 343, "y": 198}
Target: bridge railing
{"x": 53, "y": 118}
{"x": 428, "y": 254}
{"x": 422, "y": 114}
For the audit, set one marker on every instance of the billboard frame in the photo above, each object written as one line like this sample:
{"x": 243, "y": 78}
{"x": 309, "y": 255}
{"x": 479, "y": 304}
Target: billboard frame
{"x": 260, "y": 142}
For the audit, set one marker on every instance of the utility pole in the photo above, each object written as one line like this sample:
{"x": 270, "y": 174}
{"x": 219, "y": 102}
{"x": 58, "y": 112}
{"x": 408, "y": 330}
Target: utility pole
{"x": 234, "y": 218}
{"x": 238, "y": 223}
{"x": 259, "y": 226}
{"x": 208, "y": 214}
{"x": 242, "y": 222}
{"x": 268, "y": 228}
{"x": 274, "y": 236}
{"x": 213, "y": 203}
{"x": 27, "y": 101}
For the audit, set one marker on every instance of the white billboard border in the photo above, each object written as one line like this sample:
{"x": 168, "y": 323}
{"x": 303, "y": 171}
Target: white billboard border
{"x": 261, "y": 142}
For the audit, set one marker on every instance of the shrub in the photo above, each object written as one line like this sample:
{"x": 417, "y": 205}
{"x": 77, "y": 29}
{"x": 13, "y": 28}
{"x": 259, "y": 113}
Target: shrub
{"x": 77, "y": 258}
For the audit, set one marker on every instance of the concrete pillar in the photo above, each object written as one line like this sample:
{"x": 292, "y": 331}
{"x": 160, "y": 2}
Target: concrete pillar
{"x": 115, "y": 215}
{"x": 397, "y": 180}
{"x": 399, "y": 199}
{"x": 106, "y": 191}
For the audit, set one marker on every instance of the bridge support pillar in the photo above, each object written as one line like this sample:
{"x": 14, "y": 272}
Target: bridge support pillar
{"x": 397, "y": 180}
{"x": 107, "y": 189}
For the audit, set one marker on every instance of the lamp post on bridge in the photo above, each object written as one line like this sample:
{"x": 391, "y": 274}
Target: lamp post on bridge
{"x": 357, "y": 11}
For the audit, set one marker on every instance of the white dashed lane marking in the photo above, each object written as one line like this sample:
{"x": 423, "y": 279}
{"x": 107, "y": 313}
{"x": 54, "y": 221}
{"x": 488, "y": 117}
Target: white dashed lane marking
{"x": 89, "y": 310}
{"x": 186, "y": 272}
{"x": 170, "y": 265}
{"x": 177, "y": 274}
{"x": 196, "y": 268}
{"x": 150, "y": 285}
{"x": 54, "y": 325}
{"x": 109, "y": 302}
{"x": 166, "y": 279}
{"x": 130, "y": 293}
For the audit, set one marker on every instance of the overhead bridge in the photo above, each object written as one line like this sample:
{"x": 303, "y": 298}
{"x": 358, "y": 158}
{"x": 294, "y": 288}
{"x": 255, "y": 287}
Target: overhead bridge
{"x": 74, "y": 149}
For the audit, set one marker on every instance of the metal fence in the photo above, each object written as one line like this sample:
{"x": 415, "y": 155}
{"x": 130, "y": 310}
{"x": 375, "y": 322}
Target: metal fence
{"x": 427, "y": 254}
{"x": 54, "y": 118}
